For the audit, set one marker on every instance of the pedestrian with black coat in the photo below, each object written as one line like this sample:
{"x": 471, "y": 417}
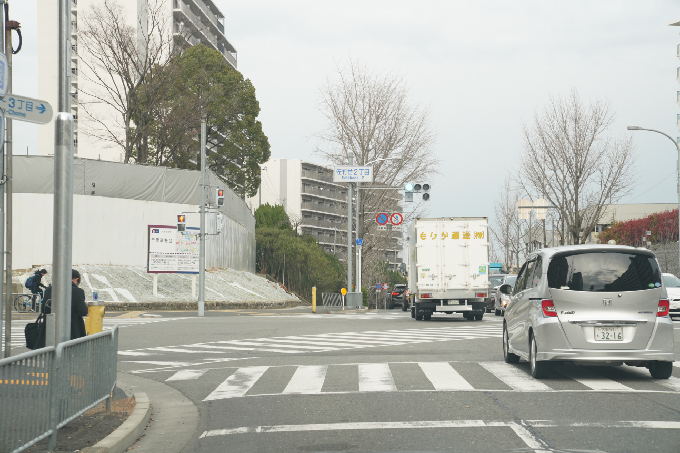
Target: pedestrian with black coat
{"x": 78, "y": 306}
{"x": 36, "y": 284}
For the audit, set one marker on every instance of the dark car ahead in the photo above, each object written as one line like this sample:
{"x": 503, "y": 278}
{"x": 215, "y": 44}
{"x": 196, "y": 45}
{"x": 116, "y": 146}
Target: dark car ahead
{"x": 399, "y": 297}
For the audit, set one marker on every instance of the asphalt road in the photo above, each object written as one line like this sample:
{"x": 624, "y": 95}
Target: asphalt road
{"x": 290, "y": 381}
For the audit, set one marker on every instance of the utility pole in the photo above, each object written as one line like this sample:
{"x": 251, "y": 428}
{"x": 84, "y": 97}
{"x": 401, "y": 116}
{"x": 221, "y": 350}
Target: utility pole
{"x": 201, "y": 210}
{"x": 8, "y": 337}
{"x": 359, "y": 233}
{"x": 8, "y": 196}
{"x": 62, "y": 238}
{"x": 349, "y": 231}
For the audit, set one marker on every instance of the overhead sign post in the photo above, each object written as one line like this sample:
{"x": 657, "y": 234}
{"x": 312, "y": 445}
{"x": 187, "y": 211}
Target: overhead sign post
{"x": 30, "y": 110}
{"x": 352, "y": 173}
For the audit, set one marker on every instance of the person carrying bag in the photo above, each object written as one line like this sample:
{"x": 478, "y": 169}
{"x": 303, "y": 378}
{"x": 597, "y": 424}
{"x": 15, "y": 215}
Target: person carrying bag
{"x": 35, "y": 333}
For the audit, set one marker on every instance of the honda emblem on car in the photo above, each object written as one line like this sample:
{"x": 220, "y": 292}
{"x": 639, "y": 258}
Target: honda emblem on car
{"x": 607, "y": 302}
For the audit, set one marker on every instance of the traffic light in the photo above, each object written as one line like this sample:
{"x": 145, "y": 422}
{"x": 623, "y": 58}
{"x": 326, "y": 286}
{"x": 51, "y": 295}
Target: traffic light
{"x": 219, "y": 197}
{"x": 426, "y": 190}
{"x": 408, "y": 192}
{"x": 410, "y": 189}
{"x": 181, "y": 223}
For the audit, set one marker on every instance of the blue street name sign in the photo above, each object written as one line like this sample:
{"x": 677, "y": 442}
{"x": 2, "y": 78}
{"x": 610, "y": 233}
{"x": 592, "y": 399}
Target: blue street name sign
{"x": 4, "y": 74}
{"x": 26, "y": 109}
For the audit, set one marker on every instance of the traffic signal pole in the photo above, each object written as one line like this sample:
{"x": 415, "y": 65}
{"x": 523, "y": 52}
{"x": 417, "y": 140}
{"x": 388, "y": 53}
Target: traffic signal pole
{"x": 62, "y": 238}
{"x": 201, "y": 210}
{"x": 350, "y": 254}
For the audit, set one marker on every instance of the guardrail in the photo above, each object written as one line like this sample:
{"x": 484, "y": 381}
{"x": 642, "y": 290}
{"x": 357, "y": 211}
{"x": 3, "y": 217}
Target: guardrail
{"x": 43, "y": 390}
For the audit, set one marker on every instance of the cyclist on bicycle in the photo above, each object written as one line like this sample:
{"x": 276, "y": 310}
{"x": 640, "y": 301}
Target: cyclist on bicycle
{"x": 36, "y": 285}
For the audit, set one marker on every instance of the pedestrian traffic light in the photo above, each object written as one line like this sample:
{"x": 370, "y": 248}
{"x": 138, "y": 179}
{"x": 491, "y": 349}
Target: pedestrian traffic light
{"x": 181, "y": 223}
{"x": 219, "y": 197}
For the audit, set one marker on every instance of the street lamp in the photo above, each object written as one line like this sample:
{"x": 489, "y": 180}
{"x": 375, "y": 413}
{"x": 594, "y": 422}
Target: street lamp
{"x": 638, "y": 128}
{"x": 359, "y": 219}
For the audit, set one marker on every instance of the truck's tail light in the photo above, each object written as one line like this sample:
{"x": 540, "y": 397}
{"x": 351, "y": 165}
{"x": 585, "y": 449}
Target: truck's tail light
{"x": 662, "y": 309}
{"x": 548, "y": 307}
{"x": 425, "y": 296}
{"x": 394, "y": 293}
{"x": 481, "y": 294}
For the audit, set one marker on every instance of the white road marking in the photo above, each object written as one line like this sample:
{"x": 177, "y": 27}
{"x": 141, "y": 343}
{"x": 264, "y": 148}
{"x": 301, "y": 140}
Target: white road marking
{"x": 133, "y": 353}
{"x": 375, "y": 377}
{"x": 307, "y": 379}
{"x": 514, "y": 377}
{"x": 591, "y": 379}
{"x": 186, "y": 375}
{"x": 653, "y": 424}
{"x": 443, "y": 376}
{"x": 238, "y": 384}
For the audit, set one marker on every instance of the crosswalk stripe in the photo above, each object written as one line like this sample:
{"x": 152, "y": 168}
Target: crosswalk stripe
{"x": 268, "y": 344}
{"x": 591, "y": 379}
{"x": 307, "y": 379}
{"x": 186, "y": 375}
{"x": 238, "y": 384}
{"x": 375, "y": 377}
{"x": 443, "y": 376}
{"x": 514, "y": 377}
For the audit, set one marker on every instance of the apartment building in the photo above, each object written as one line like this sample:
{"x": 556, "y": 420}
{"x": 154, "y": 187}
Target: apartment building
{"x": 317, "y": 206}
{"x": 190, "y": 21}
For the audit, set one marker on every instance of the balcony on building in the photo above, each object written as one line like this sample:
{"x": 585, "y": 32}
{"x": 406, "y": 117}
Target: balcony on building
{"x": 204, "y": 20}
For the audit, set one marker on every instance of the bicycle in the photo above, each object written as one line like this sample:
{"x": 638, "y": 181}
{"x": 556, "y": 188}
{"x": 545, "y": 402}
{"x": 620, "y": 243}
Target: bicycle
{"x": 23, "y": 303}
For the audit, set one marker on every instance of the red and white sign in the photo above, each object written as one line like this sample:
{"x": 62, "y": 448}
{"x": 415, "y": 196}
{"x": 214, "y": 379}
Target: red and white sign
{"x": 386, "y": 286}
{"x": 396, "y": 219}
{"x": 382, "y": 218}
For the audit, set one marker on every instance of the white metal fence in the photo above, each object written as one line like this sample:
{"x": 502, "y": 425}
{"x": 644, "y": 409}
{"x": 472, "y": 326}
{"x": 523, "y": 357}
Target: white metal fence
{"x": 43, "y": 390}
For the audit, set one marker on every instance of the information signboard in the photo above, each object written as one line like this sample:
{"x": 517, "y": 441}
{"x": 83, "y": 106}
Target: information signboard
{"x": 351, "y": 173}
{"x": 171, "y": 251}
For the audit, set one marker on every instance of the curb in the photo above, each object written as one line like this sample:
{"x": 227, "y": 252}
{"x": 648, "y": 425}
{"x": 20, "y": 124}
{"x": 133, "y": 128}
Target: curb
{"x": 127, "y": 433}
{"x": 213, "y": 305}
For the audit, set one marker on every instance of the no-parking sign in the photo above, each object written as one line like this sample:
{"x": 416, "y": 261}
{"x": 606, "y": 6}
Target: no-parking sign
{"x": 381, "y": 218}
{"x": 378, "y": 287}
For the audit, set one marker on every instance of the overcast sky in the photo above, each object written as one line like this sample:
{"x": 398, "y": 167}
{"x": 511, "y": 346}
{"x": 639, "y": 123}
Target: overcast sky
{"x": 482, "y": 68}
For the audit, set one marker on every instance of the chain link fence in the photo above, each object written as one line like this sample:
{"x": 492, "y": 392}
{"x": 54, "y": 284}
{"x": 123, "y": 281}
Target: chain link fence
{"x": 43, "y": 390}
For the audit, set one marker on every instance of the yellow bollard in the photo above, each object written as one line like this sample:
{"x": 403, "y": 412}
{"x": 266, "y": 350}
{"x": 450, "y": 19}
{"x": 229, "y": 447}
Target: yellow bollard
{"x": 313, "y": 299}
{"x": 95, "y": 317}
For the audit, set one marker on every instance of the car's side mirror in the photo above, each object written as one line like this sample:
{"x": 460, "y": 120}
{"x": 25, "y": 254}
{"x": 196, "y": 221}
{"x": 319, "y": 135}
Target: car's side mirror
{"x": 505, "y": 289}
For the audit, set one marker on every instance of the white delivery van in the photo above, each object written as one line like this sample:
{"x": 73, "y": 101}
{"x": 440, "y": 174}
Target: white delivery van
{"x": 448, "y": 266}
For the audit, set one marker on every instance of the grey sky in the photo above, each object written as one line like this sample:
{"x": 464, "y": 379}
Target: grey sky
{"x": 482, "y": 67}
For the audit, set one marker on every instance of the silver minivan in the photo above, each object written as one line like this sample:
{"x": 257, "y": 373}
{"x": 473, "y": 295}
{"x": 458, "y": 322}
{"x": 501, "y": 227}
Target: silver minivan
{"x": 602, "y": 304}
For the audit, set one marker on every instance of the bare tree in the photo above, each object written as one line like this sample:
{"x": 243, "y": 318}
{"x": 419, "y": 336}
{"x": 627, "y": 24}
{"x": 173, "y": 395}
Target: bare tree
{"x": 569, "y": 159}
{"x": 370, "y": 117}
{"x": 123, "y": 64}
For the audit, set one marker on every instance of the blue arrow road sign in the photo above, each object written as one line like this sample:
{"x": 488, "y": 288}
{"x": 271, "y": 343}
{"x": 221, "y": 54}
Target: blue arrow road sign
{"x": 360, "y": 241}
{"x": 26, "y": 109}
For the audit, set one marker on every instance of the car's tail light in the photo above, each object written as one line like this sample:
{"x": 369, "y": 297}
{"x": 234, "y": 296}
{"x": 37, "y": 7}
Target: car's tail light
{"x": 394, "y": 293}
{"x": 548, "y": 307}
{"x": 426, "y": 296}
{"x": 505, "y": 303}
{"x": 662, "y": 309}
{"x": 481, "y": 294}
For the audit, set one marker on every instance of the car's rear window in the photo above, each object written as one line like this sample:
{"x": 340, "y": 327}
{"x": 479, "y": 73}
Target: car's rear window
{"x": 671, "y": 281}
{"x": 598, "y": 272}
{"x": 495, "y": 281}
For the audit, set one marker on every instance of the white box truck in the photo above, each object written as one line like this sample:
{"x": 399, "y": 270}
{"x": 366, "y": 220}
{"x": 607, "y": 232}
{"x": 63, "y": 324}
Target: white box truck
{"x": 448, "y": 266}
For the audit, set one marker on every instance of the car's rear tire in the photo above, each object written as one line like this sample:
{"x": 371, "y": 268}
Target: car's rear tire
{"x": 479, "y": 316}
{"x": 508, "y": 356}
{"x": 427, "y": 317}
{"x": 404, "y": 306}
{"x": 661, "y": 370}
{"x": 497, "y": 313}
{"x": 539, "y": 369}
